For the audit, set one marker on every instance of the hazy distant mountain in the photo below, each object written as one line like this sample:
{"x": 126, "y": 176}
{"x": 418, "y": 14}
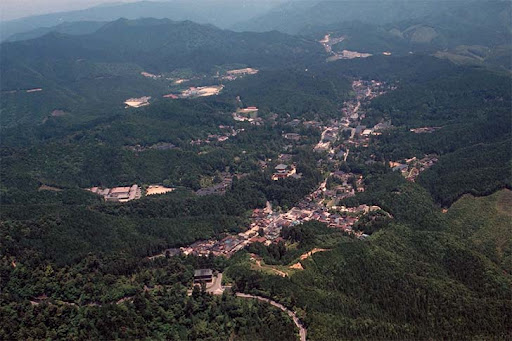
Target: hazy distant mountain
{"x": 161, "y": 45}
{"x": 479, "y": 31}
{"x": 71, "y": 28}
{"x": 295, "y": 17}
{"x": 222, "y": 13}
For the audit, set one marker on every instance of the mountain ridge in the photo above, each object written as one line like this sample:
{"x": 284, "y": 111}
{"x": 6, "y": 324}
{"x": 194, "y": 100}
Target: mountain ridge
{"x": 223, "y": 13}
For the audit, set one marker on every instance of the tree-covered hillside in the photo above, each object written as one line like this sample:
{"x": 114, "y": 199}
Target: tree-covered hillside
{"x": 102, "y": 69}
{"x": 156, "y": 45}
{"x": 421, "y": 277}
{"x": 485, "y": 224}
{"x": 470, "y": 33}
{"x": 72, "y": 28}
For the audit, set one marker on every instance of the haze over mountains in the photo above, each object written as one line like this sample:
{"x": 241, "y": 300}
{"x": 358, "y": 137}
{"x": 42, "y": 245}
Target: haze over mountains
{"x": 463, "y": 31}
{"x": 289, "y": 17}
{"x": 221, "y": 13}
{"x": 294, "y": 17}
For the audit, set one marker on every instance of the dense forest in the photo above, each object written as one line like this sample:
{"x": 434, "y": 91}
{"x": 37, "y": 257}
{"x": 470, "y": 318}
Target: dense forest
{"x": 300, "y": 94}
{"x": 104, "y": 298}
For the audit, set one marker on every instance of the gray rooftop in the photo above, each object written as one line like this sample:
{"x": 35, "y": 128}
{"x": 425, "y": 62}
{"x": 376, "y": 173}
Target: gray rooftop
{"x": 203, "y": 272}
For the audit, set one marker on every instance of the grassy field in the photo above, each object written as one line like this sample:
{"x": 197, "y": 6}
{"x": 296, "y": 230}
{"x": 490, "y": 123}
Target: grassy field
{"x": 486, "y": 223}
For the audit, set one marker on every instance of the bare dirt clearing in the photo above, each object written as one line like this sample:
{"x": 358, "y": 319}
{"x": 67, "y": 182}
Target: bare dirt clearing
{"x": 157, "y": 189}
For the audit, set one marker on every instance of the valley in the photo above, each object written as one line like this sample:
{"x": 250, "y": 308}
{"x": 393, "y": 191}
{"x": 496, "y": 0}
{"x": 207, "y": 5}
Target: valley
{"x": 345, "y": 176}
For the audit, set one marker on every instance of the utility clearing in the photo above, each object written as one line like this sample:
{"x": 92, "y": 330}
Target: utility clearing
{"x": 298, "y": 265}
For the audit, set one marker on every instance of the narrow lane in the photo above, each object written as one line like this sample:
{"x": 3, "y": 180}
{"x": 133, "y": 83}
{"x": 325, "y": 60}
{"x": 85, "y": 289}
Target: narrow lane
{"x": 296, "y": 320}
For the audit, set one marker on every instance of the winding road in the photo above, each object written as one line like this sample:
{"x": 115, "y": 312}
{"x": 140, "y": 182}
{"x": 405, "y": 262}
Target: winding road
{"x": 216, "y": 288}
{"x": 298, "y": 323}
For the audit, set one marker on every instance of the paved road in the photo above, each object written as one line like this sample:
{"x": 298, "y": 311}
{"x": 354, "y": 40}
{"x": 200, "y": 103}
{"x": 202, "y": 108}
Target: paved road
{"x": 216, "y": 287}
{"x": 298, "y": 323}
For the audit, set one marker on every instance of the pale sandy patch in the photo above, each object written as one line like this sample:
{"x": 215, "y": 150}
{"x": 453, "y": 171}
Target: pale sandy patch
{"x": 157, "y": 189}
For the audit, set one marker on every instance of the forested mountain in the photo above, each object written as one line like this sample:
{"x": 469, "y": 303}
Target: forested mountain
{"x": 413, "y": 279}
{"x": 71, "y": 28}
{"x": 104, "y": 68}
{"x": 221, "y": 13}
{"x": 294, "y": 17}
{"x": 465, "y": 32}
{"x": 473, "y": 33}
{"x": 158, "y": 45}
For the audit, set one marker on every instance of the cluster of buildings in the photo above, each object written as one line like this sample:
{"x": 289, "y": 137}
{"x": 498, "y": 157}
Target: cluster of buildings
{"x": 364, "y": 131}
{"x": 229, "y": 131}
{"x": 271, "y": 223}
{"x": 292, "y": 136}
{"x": 344, "y": 185}
{"x": 249, "y": 114}
{"x": 219, "y": 188}
{"x": 323, "y": 204}
{"x": 118, "y": 194}
{"x": 224, "y": 247}
{"x": 329, "y": 135}
{"x": 231, "y": 75}
{"x": 266, "y": 224}
{"x": 346, "y": 54}
{"x": 261, "y": 219}
{"x": 412, "y": 167}
{"x": 349, "y": 123}
{"x": 128, "y": 193}
{"x": 368, "y": 90}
